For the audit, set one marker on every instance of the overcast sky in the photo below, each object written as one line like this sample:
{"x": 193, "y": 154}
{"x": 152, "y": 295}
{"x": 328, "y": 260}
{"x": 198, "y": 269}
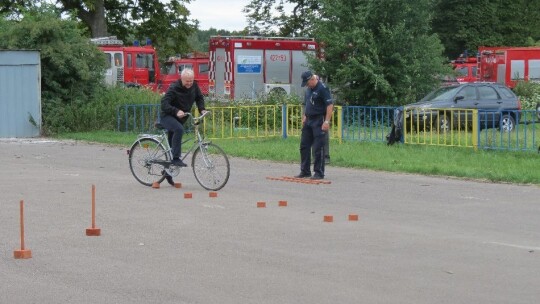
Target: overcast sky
{"x": 219, "y": 14}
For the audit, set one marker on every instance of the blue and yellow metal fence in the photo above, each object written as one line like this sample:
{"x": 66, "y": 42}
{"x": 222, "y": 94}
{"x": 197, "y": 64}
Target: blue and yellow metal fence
{"x": 470, "y": 128}
{"x": 441, "y": 127}
{"x": 258, "y": 121}
{"x": 524, "y": 137}
{"x": 137, "y": 117}
{"x": 464, "y": 128}
{"x": 359, "y": 123}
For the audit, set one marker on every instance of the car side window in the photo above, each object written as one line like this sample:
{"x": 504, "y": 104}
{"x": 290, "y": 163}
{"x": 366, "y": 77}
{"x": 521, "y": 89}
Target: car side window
{"x": 487, "y": 93}
{"x": 468, "y": 93}
{"x": 506, "y": 92}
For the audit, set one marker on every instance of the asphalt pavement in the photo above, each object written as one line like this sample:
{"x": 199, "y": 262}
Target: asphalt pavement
{"x": 418, "y": 239}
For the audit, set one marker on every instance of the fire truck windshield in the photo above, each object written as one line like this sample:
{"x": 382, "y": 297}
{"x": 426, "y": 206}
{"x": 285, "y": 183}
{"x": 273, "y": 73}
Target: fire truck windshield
{"x": 145, "y": 61}
{"x": 169, "y": 68}
{"x": 463, "y": 71}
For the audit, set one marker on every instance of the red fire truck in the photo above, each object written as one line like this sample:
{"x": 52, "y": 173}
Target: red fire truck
{"x": 132, "y": 66}
{"x": 249, "y": 66}
{"x": 509, "y": 65}
{"x": 197, "y": 61}
{"x": 465, "y": 68}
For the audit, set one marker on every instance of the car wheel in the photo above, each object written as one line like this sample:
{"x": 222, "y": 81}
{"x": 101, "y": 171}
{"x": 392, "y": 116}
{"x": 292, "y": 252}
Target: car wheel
{"x": 443, "y": 123}
{"x": 507, "y": 123}
{"x": 538, "y": 111}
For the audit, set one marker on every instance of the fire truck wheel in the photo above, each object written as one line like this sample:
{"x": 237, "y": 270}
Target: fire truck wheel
{"x": 132, "y": 85}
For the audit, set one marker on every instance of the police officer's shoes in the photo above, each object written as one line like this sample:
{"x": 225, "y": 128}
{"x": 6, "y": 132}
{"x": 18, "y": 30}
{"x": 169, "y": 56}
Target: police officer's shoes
{"x": 303, "y": 175}
{"x": 178, "y": 162}
{"x": 316, "y": 176}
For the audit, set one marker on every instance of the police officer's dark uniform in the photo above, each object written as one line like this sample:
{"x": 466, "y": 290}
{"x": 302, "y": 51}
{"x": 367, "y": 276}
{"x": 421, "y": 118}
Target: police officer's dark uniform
{"x": 316, "y": 100}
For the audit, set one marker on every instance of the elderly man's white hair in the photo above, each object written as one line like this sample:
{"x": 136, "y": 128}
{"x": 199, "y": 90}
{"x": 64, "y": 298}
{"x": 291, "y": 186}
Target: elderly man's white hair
{"x": 187, "y": 73}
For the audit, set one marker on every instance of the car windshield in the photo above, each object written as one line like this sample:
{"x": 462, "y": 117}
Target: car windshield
{"x": 442, "y": 93}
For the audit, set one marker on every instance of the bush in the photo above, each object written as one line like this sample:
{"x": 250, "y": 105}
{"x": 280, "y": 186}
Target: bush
{"x": 100, "y": 114}
{"x": 529, "y": 94}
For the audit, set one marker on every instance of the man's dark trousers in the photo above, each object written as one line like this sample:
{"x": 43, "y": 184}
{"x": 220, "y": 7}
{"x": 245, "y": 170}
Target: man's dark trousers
{"x": 312, "y": 137}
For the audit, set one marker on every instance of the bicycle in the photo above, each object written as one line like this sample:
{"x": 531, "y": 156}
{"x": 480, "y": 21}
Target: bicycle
{"x": 150, "y": 158}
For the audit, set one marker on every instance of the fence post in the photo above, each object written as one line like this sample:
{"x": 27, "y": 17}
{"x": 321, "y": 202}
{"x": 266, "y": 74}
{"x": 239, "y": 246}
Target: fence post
{"x": 126, "y": 117}
{"x": 340, "y": 123}
{"x": 475, "y": 128}
{"x": 118, "y": 118}
{"x": 284, "y": 120}
{"x": 143, "y": 111}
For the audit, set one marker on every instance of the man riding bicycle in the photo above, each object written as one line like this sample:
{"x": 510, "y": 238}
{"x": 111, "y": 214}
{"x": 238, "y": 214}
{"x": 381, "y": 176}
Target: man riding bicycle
{"x": 177, "y": 101}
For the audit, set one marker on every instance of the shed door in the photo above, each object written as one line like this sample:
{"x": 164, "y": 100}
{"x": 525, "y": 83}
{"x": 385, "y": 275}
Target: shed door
{"x": 20, "y": 101}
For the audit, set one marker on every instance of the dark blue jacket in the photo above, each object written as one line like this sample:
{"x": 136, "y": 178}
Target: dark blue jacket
{"x": 179, "y": 97}
{"x": 317, "y": 99}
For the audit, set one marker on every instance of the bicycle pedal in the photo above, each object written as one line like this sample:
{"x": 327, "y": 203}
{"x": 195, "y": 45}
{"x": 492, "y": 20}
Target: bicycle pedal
{"x": 172, "y": 171}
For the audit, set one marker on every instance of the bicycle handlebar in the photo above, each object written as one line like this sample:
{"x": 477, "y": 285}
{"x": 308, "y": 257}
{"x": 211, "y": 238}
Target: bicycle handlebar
{"x": 196, "y": 119}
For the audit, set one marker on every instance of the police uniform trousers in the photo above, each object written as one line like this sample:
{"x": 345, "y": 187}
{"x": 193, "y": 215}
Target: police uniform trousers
{"x": 312, "y": 137}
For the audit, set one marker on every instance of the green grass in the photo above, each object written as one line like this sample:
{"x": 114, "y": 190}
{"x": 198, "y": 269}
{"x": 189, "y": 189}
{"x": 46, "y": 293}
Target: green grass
{"x": 494, "y": 166}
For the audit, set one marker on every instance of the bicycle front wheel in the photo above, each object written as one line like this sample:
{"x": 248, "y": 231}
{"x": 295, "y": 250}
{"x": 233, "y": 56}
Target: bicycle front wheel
{"x": 147, "y": 159}
{"x": 210, "y": 166}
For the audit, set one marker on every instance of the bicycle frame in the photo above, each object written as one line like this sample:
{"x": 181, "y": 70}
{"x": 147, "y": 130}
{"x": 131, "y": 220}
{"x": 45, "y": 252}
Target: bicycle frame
{"x": 211, "y": 169}
{"x": 197, "y": 138}
{"x": 162, "y": 138}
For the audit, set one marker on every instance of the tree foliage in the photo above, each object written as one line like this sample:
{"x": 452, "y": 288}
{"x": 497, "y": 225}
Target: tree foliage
{"x": 271, "y": 17}
{"x": 71, "y": 67}
{"x": 199, "y": 39}
{"x": 466, "y": 25}
{"x": 384, "y": 52}
{"x": 165, "y": 23}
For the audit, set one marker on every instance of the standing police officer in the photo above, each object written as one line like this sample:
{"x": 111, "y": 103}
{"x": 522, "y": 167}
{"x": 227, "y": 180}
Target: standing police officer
{"x": 315, "y": 124}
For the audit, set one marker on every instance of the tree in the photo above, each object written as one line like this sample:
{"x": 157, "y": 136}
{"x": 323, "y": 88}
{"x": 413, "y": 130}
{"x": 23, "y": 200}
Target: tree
{"x": 519, "y": 21}
{"x": 166, "y": 23}
{"x": 199, "y": 39}
{"x": 13, "y": 6}
{"x": 466, "y": 25}
{"x": 270, "y": 17}
{"x": 71, "y": 67}
{"x": 384, "y": 52}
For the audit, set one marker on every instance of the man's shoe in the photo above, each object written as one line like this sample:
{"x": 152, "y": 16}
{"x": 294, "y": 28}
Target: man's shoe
{"x": 168, "y": 178}
{"x": 317, "y": 176}
{"x": 303, "y": 175}
{"x": 178, "y": 162}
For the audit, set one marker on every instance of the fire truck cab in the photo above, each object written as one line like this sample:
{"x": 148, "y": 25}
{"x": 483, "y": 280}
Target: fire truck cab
{"x": 249, "y": 66}
{"x": 132, "y": 66}
{"x": 196, "y": 61}
{"x": 465, "y": 68}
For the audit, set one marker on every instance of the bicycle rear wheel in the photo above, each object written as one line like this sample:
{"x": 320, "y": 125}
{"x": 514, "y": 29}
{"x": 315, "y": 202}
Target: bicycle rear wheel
{"x": 210, "y": 166}
{"x": 147, "y": 157}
